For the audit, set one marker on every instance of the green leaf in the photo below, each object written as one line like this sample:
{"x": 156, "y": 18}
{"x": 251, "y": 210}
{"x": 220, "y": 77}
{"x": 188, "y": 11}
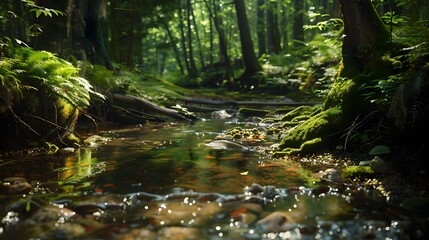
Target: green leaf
{"x": 379, "y": 149}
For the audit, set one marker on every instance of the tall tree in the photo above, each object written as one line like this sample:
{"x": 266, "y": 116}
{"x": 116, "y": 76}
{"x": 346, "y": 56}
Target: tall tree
{"x": 298, "y": 22}
{"x": 197, "y": 35}
{"x": 365, "y": 34}
{"x": 260, "y": 27}
{"x": 96, "y": 31}
{"x": 174, "y": 46}
{"x": 193, "y": 71}
{"x": 273, "y": 38}
{"x": 251, "y": 64}
{"x": 223, "y": 48}
{"x": 284, "y": 22}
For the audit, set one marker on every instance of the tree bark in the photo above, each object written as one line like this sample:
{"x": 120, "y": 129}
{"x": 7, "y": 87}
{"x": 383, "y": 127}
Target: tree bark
{"x": 183, "y": 38}
{"x": 260, "y": 27}
{"x": 197, "y": 35}
{"x": 223, "y": 49}
{"x": 298, "y": 23}
{"x": 174, "y": 46}
{"x": 272, "y": 28}
{"x": 193, "y": 71}
{"x": 96, "y": 32}
{"x": 252, "y": 66}
{"x": 285, "y": 33}
{"x": 365, "y": 34}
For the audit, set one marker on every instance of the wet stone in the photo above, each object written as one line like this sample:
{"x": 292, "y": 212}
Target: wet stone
{"x": 179, "y": 233}
{"x": 15, "y": 185}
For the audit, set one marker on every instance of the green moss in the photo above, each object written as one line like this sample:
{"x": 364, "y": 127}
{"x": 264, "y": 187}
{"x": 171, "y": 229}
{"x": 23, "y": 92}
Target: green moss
{"x": 289, "y": 124}
{"x": 339, "y": 89}
{"x": 360, "y": 172}
{"x": 283, "y": 110}
{"x": 300, "y": 111}
{"x": 312, "y": 134}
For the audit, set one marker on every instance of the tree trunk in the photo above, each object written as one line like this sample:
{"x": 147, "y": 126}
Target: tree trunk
{"x": 272, "y": 28}
{"x": 183, "y": 39}
{"x": 285, "y": 33}
{"x": 365, "y": 34}
{"x": 260, "y": 27}
{"x": 223, "y": 56}
{"x": 251, "y": 64}
{"x": 197, "y": 35}
{"x": 298, "y": 23}
{"x": 96, "y": 33}
{"x": 193, "y": 72}
{"x": 175, "y": 49}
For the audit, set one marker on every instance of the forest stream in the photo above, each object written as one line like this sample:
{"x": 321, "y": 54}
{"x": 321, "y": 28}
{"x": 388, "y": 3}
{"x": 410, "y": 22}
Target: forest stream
{"x": 175, "y": 181}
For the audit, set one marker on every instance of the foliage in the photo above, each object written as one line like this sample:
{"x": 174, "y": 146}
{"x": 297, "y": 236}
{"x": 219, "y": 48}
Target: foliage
{"x": 38, "y": 10}
{"x": 338, "y": 90}
{"x": 10, "y": 86}
{"x": 24, "y": 67}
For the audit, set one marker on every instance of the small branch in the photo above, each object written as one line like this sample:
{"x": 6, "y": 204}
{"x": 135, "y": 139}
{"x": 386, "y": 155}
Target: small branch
{"x": 54, "y": 124}
{"x": 22, "y": 122}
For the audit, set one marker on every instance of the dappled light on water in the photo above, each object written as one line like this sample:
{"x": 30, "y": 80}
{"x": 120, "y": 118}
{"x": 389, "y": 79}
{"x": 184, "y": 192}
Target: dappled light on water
{"x": 181, "y": 182}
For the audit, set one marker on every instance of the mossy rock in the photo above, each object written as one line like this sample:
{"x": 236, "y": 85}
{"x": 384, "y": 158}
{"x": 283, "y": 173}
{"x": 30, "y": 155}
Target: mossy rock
{"x": 306, "y": 147}
{"x": 350, "y": 96}
{"x": 301, "y": 111}
{"x": 313, "y": 134}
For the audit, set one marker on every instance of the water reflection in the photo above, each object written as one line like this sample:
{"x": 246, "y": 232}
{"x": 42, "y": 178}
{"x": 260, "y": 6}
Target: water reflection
{"x": 164, "y": 182}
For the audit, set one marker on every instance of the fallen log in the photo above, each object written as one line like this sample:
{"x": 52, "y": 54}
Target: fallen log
{"x": 248, "y": 103}
{"x": 149, "y": 106}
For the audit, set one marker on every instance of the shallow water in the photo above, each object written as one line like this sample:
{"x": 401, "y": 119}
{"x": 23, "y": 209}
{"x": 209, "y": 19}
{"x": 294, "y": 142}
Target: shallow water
{"x": 162, "y": 181}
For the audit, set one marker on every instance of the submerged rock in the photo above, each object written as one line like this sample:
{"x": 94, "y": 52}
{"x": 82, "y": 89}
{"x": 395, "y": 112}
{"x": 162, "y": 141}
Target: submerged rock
{"x": 278, "y": 222}
{"x": 178, "y": 233}
{"x": 228, "y": 145}
{"x": 14, "y": 185}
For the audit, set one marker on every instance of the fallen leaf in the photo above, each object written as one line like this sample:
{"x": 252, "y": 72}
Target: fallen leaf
{"x": 238, "y": 212}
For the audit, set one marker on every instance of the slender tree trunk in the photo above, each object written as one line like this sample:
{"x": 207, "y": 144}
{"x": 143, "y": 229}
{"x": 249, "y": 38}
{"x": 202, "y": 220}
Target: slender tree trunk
{"x": 260, "y": 27}
{"x": 252, "y": 66}
{"x": 298, "y": 23}
{"x": 272, "y": 31}
{"x": 183, "y": 39}
{"x": 211, "y": 41}
{"x": 192, "y": 66}
{"x": 175, "y": 49}
{"x": 197, "y": 35}
{"x": 285, "y": 33}
{"x": 223, "y": 56}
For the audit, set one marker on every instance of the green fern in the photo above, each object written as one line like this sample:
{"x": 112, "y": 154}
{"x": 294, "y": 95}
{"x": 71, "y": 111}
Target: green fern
{"x": 10, "y": 85}
{"x": 41, "y": 68}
